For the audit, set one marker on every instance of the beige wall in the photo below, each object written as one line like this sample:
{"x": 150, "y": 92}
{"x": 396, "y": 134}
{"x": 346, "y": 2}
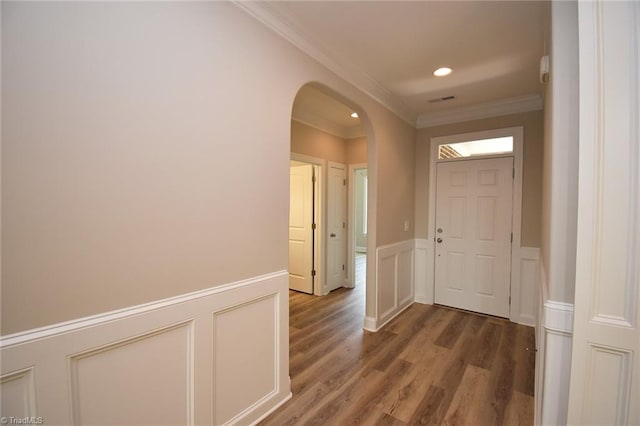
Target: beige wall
{"x": 356, "y": 150}
{"x": 317, "y": 143}
{"x": 308, "y": 140}
{"x": 396, "y": 177}
{"x": 532, "y": 168}
{"x": 124, "y": 126}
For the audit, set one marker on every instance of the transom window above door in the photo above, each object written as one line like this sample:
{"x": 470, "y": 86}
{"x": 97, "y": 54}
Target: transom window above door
{"x": 476, "y": 148}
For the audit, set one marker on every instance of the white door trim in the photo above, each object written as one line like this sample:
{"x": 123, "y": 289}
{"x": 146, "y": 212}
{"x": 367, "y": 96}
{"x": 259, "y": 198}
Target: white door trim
{"x": 351, "y": 222}
{"x": 320, "y": 210}
{"x": 518, "y": 139}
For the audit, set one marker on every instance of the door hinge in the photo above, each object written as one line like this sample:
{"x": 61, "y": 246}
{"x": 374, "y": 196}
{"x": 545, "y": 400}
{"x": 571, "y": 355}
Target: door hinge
{"x": 344, "y": 182}
{"x": 509, "y": 299}
{"x": 512, "y": 237}
{"x": 343, "y": 267}
{"x": 313, "y": 272}
{"x": 313, "y": 226}
{"x": 313, "y": 178}
{"x": 513, "y": 173}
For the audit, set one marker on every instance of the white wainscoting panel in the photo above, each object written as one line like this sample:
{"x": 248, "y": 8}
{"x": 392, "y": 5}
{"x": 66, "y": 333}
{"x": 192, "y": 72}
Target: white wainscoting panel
{"x": 160, "y": 360}
{"x": 394, "y": 281}
{"x": 18, "y": 390}
{"x": 423, "y": 281}
{"x": 216, "y": 356}
{"x": 553, "y": 359}
{"x": 245, "y": 357}
{"x": 525, "y": 306}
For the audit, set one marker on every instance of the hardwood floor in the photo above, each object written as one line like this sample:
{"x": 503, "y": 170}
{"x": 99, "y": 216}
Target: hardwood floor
{"x": 430, "y": 365}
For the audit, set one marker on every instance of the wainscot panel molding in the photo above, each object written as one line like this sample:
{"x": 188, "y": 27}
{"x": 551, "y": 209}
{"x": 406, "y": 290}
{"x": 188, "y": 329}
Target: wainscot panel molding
{"x": 525, "y": 277}
{"x": 394, "y": 282}
{"x": 423, "y": 289}
{"x": 554, "y": 330}
{"x": 523, "y": 308}
{"x": 215, "y": 356}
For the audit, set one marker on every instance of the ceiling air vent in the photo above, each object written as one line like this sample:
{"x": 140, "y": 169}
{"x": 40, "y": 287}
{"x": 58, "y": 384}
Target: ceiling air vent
{"x": 444, "y": 98}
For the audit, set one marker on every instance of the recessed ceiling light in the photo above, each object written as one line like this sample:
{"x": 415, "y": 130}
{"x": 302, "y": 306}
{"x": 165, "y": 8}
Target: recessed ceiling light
{"x": 441, "y": 72}
{"x": 354, "y": 114}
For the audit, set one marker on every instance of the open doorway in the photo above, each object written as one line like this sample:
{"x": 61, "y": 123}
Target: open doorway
{"x": 327, "y": 133}
{"x": 358, "y": 210}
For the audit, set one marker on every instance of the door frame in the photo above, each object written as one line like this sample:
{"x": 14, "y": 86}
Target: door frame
{"x": 319, "y": 212}
{"x": 518, "y": 138}
{"x": 351, "y": 223}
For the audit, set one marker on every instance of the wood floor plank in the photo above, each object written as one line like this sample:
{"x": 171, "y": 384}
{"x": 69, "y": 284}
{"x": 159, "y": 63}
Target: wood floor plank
{"x": 425, "y": 414}
{"x": 404, "y": 403}
{"x": 488, "y": 347}
{"x": 367, "y": 407}
{"x": 470, "y": 391}
{"x": 452, "y": 331}
{"x": 429, "y": 365}
{"x": 525, "y": 357}
{"x": 425, "y": 337}
{"x": 387, "y": 420}
{"x": 520, "y": 410}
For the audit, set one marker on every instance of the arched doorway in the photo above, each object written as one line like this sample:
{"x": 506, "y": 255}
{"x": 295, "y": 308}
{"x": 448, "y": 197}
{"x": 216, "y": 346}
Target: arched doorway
{"x": 327, "y": 133}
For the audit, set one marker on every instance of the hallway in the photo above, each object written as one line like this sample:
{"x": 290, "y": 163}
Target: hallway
{"x": 430, "y": 365}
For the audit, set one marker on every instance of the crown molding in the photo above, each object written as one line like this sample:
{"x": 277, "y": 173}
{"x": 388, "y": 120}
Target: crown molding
{"x": 289, "y": 31}
{"x": 490, "y": 109}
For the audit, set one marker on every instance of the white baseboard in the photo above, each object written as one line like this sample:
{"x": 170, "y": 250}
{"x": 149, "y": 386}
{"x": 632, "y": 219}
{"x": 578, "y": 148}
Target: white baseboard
{"x": 191, "y": 355}
{"x": 377, "y": 326}
{"x": 370, "y": 324}
{"x": 274, "y": 408}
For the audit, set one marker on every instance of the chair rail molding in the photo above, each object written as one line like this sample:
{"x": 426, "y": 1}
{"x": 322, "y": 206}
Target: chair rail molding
{"x": 192, "y": 356}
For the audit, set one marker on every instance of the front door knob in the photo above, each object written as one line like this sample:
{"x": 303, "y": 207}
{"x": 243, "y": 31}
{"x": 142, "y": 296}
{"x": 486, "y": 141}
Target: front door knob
{"x": 439, "y": 240}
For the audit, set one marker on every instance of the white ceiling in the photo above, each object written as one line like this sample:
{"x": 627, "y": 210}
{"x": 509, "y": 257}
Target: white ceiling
{"x": 391, "y": 48}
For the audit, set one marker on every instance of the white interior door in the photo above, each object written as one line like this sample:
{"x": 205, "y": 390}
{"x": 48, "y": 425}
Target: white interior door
{"x": 473, "y": 235}
{"x": 336, "y": 226}
{"x": 301, "y": 228}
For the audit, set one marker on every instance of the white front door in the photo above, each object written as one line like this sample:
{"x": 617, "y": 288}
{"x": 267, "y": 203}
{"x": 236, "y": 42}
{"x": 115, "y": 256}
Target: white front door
{"x": 336, "y": 226}
{"x": 473, "y": 235}
{"x": 301, "y": 228}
